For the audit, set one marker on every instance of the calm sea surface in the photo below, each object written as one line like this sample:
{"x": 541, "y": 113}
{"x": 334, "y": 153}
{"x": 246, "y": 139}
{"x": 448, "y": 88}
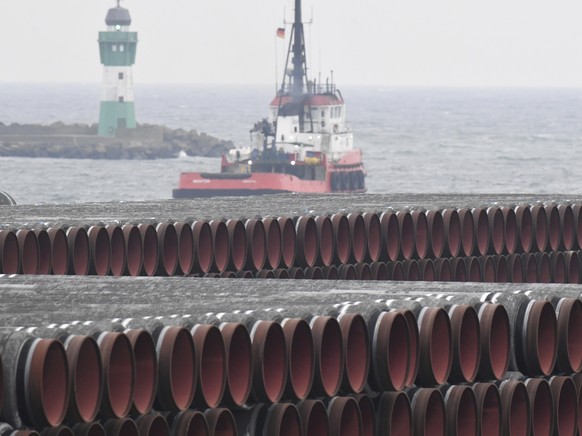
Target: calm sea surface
{"x": 414, "y": 140}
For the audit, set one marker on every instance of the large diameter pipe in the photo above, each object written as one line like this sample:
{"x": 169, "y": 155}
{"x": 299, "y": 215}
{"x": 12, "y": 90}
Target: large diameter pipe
{"x": 189, "y": 423}
{"x": 373, "y": 236}
{"x": 436, "y": 233}
{"x": 152, "y": 425}
{"x": 489, "y": 408}
{"x": 307, "y": 248}
{"x": 542, "y": 407}
{"x": 211, "y": 364}
{"x": 168, "y": 259}
{"x": 435, "y": 346}
{"x": 273, "y": 236}
{"x": 516, "y": 414}
{"x": 357, "y": 351}
{"x": 301, "y": 356}
{"x": 59, "y": 251}
{"x": 99, "y": 251}
{"x": 208, "y": 241}
{"x": 329, "y": 355}
{"x": 288, "y": 241}
{"x": 326, "y": 240}
{"x": 565, "y": 403}
{"x": 9, "y": 252}
{"x": 29, "y": 251}
{"x": 525, "y": 235}
{"x": 482, "y": 232}
{"x": 89, "y": 429}
{"x": 239, "y": 355}
{"x": 220, "y": 245}
{"x": 146, "y": 370}
{"x": 511, "y": 229}
{"x": 567, "y": 226}
{"x": 496, "y": 230}
{"x": 118, "y": 250}
{"x": 133, "y": 250}
{"x": 428, "y": 412}
{"x": 44, "y": 251}
{"x": 569, "y": 314}
{"x": 237, "y": 244}
{"x": 462, "y": 410}
{"x": 421, "y": 235}
{"x": 540, "y": 228}
{"x": 36, "y": 380}
{"x": 221, "y": 422}
{"x": 121, "y": 427}
{"x": 313, "y": 415}
{"x": 185, "y": 247}
{"x": 342, "y": 239}
{"x": 390, "y": 236}
{"x": 78, "y": 251}
{"x": 467, "y": 231}
{"x": 150, "y": 249}
{"x": 344, "y": 417}
{"x": 256, "y": 244}
{"x": 357, "y": 237}
{"x": 394, "y": 414}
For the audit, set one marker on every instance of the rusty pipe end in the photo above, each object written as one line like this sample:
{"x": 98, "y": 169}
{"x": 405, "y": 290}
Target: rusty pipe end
{"x": 239, "y": 355}
{"x": 541, "y": 404}
{"x": 357, "y": 351}
{"x": 270, "y": 361}
{"x": 428, "y": 412}
{"x": 435, "y": 346}
{"x": 329, "y": 355}
{"x": 392, "y": 358}
{"x": 211, "y": 354}
{"x": 313, "y": 415}
{"x": 466, "y": 335}
{"x": 495, "y": 341}
{"x": 152, "y": 425}
{"x": 344, "y": 416}
{"x": 489, "y": 408}
{"x": 301, "y": 357}
{"x": 190, "y": 423}
{"x": 133, "y": 250}
{"x": 146, "y": 370}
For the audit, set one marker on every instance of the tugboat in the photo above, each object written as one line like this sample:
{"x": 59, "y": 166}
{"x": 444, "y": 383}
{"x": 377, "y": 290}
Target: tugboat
{"x": 305, "y": 145}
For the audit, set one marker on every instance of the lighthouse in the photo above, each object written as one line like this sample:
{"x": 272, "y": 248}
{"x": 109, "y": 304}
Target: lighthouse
{"x": 117, "y": 47}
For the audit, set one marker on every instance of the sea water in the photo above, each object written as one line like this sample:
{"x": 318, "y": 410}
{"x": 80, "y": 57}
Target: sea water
{"x": 414, "y": 140}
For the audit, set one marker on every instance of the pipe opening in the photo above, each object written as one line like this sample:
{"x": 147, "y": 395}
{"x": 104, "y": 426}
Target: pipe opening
{"x": 100, "y": 245}
{"x": 481, "y": 231}
{"x": 221, "y": 422}
{"x": 468, "y": 232}
{"x": 495, "y": 338}
{"x": 327, "y": 337}
{"x": 543, "y": 326}
{"x": 469, "y": 346}
{"x": 257, "y": 243}
{"x": 78, "y": 251}
{"x": 288, "y": 241}
{"x": 314, "y": 418}
{"x": 510, "y": 230}
{"x": 239, "y": 356}
{"x": 182, "y": 369}
{"x": 421, "y": 236}
{"x": 152, "y": 425}
{"x": 118, "y": 365}
{"x": 220, "y": 243}
{"x": 190, "y": 423}
{"x": 301, "y": 356}
{"x": 565, "y": 402}
{"x": 406, "y": 234}
{"x": 149, "y": 248}
{"x": 185, "y": 247}
{"x": 489, "y": 402}
{"x": 358, "y": 237}
{"x": 344, "y": 417}
{"x": 373, "y": 236}
{"x": 44, "y": 252}
{"x": 541, "y": 405}
{"x": 273, "y": 354}
{"x": 9, "y": 253}
{"x": 238, "y": 244}
{"x": 390, "y": 235}
{"x": 452, "y": 229}
{"x": 211, "y": 352}
{"x": 146, "y": 370}
{"x": 436, "y": 233}
{"x": 28, "y": 251}
{"x": 367, "y": 412}
{"x": 134, "y": 249}
{"x": 274, "y": 239}
{"x": 341, "y": 228}
{"x": 356, "y": 345}
{"x": 117, "y": 246}
{"x": 497, "y": 229}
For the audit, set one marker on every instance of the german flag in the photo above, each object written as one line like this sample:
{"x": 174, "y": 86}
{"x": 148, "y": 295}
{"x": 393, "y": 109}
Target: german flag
{"x": 281, "y": 32}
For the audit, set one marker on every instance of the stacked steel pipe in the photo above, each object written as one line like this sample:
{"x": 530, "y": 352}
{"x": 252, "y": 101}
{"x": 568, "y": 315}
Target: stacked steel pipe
{"x": 161, "y": 354}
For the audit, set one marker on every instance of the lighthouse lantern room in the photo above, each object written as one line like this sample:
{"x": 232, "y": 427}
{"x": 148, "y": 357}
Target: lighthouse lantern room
{"x": 117, "y": 47}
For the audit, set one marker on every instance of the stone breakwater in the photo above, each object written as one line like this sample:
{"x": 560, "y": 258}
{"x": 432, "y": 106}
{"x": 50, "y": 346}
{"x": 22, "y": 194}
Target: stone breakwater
{"x": 80, "y": 141}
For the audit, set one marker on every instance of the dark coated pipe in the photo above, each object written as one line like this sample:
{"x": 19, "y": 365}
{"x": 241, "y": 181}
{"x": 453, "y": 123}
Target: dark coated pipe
{"x": 307, "y": 247}
{"x": 576, "y": 208}
{"x": 567, "y": 226}
{"x": 435, "y": 346}
{"x": 482, "y": 232}
{"x": 121, "y": 427}
{"x": 502, "y": 273}
{"x": 329, "y": 355}
{"x": 118, "y": 364}
{"x": 466, "y": 339}
{"x": 89, "y": 429}
{"x": 185, "y": 247}
{"x": 256, "y": 244}
{"x": 168, "y": 256}
{"x": 379, "y": 271}
{"x": 35, "y": 379}
{"x": 357, "y": 351}
{"x": 99, "y": 251}
{"x": 462, "y": 410}
{"x": 452, "y": 232}
{"x": 489, "y": 408}
{"x": 61, "y": 430}
{"x": 313, "y": 273}
{"x": 363, "y": 271}
{"x": 274, "y": 242}
{"x": 150, "y": 253}
{"x": 29, "y": 251}
{"x": 443, "y": 270}
{"x": 516, "y": 412}
{"x": 496, "y": 230}
{"x": 44, "y": 251}
{"x": 557, "y": 268}
{"x": 540, "y": 228}
{"x": 146, "y": 370}
{"x": 270, "y": 361}
{"x": 208, "y": 243}
{"x": 288, "y": 241}
{"x": 495, "y": 341}
{"x": 230, "y": 275}
{"x": 436, "y": 233}
{"x": 9, "y": 253}
{"x": 330, "y": 272}
{"x": 373, "y": 236}
{"x": 487, "y": 269}
{"x": 220, "y": 422}
{"x": 459, "y": 269}
{"x": 133, "y": 249}
{"x": 8, "y": 430}
{"x": 390, "y": 236}
{"x": 530, "y": 268}
{"x": 515, "y": 268}
{"x": 211, "y": 364}
{"x": 239, "y": 356}
{"x": 525, "y": 232}
{"x": 313, "y": 415}
{"x": 394, "y": 414}
{"x": 421, "y": 235}
{"x": 220, "y": 245}
{"x": 59, "y": 251}
{"x": 325, "y": 240}
{"x": 237, "y": 244}
{"x": 347, "y": 272}
{"x": 569, "y": 313}
{"x": 411, "y": 270}
{"x": 118, "y": 250}
{"x": 242, "y": 274}
{"x": 367, "y": 412}
{"x": 78, "y": 251}
{"x": 474, "y": 273}
{"x": 357, "y": 237}
{"x": 554, "y": 227}
{"x": 541, "y": 405}
{"x": 281, "y": 273}
{"x": 406, "y": 227}
{"x": 395, "y": 271}
{"x": 152, "y": 425}
{"x": 392, "y": 359}
{"x": 178, "y": 369}
{"x": 301, "y": 357}
{"x": 264, "y": 274}
{"x": 511, "y": 229}
{"x": 84, "y": 360}
{"x": 282, "y": 419}
{"x": 572, "y": 261}
{"x": 467, "y": 231}
{"x": 428, "y": 412}
{"x": 189, "y": 423}
{"x": 427, "y": 270}
{"x": 344, "y": 417}
{"x": 342, "y": 239}
{"x": 565, "y": 403}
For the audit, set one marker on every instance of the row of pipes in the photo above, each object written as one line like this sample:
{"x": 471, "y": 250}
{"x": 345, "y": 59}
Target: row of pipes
{"x": 325, "y": 344}
{"x": 216, "y": 246}
{"x": 517, "y": 406}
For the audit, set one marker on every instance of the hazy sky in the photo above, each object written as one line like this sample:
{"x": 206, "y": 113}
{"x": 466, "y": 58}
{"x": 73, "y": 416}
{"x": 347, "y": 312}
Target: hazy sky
{"x": 380, "y": 42}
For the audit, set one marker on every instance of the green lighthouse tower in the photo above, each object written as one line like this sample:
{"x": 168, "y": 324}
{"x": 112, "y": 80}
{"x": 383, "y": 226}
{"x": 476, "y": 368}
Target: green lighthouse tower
{"x": 117, "y": 47}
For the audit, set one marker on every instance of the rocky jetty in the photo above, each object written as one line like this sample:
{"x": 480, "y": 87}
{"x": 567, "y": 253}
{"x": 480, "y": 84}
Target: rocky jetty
{"x": 80, "y": 141}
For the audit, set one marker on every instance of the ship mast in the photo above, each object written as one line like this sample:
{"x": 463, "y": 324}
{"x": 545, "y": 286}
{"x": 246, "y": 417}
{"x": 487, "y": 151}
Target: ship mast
{"x": 299, "y": 67}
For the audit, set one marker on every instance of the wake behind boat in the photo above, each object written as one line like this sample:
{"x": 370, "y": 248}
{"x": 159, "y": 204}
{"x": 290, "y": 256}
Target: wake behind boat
{"x": 304, "y": 145}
